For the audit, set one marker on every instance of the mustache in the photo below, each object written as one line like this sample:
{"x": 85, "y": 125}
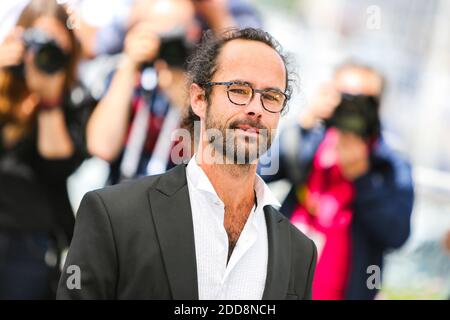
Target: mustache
{"x": 248, "y": 122}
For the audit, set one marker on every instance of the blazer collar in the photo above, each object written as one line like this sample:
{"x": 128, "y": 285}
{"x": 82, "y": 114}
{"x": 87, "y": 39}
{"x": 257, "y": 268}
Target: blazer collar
{"x": 279, "y": 260}
{"x": 171, "y": 210}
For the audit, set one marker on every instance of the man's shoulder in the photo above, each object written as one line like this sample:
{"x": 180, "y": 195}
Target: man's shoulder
{"x": 299, "y": 239}
{"x": 128, "y": 194}
{"x": 127, "y": 188}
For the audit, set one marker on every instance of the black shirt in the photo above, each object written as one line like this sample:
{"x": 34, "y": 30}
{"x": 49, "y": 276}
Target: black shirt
{"x": 33, "y": 192}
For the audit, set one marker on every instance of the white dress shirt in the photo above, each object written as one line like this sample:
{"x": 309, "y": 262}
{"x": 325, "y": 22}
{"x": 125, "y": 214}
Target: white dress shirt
{"x": 244, "y": 276}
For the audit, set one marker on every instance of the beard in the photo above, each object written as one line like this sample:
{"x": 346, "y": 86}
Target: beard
{"x": 232, "y": 145}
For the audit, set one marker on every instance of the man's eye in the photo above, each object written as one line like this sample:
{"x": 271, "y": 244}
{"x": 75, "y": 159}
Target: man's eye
{"x": 272, "y": 97}
{"x": 243, "y": 91}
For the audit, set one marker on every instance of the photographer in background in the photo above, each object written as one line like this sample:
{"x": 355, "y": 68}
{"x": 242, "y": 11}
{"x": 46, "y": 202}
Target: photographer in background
{"x": 350, "y": 193}
{"x": 42, "y": 119}
{"x": 108, "y": 38}
{"x": 132, "y": 125}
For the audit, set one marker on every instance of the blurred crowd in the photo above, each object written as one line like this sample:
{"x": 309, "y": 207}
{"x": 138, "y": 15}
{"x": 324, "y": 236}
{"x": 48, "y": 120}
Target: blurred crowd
{"x": 81, "y": 79}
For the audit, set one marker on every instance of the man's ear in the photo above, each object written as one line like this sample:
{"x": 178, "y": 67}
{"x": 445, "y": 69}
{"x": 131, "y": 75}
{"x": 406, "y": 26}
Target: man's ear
{"x": 198, "y": 100}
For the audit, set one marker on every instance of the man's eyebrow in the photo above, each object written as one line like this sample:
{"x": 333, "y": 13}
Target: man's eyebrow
{"x": 251, "y": 84}
{"x": 242, "y": 81}
{"x": 274, "y": 88}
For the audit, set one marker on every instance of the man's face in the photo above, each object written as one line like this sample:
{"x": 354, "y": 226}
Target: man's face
{"x": 358, "y": 81}
{"x": 247, "y": 129}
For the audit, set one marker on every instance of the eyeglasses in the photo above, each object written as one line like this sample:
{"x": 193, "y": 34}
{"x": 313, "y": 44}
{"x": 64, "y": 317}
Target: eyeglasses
{"x": 241, "y": 93}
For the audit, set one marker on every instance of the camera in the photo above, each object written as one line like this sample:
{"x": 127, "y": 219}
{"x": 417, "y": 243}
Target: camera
{"x": 174, "y": 49}
{"x": 49, "y": 57}
{"x": 357, "y": 114}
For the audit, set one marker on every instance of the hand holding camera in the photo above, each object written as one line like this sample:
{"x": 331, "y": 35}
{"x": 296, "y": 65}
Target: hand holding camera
{"x": 357, "y": 122}
{"x": 356, "y": 114}
{"x": 322, "y": 106}
{"x": 33, "y": 54}
{"x": 355, "y": 117}
{"x": 49, "y": 87}
{"x": 141, "y": 45}
{"x": 12, "y": 49}
{"x": 166, "y": 52}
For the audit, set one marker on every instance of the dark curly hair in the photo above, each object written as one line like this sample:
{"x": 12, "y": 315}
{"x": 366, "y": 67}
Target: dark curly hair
{"x": 202, "y": 64}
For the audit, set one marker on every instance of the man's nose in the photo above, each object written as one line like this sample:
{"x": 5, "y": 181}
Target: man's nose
{"x": 255, "y": 108}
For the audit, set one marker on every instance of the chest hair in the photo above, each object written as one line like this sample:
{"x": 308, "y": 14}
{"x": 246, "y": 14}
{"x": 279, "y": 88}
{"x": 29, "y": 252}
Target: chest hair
{"x": 234, "y": 222}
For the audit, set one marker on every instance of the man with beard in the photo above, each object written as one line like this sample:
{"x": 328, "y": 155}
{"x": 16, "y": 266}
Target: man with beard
{"x": 208, "y": 229}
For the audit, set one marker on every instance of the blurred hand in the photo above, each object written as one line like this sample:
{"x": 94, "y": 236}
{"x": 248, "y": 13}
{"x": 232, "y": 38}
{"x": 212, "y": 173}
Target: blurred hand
{"x": 173, "y": 82}
{"x": 48, "y": 87}
{"x": 447, "y": 241}
{"x": 12, "y": 49}
{"x": 321, "y": 107}
{"x": 27, "y": 107}
{"x": 352, "y": 155}
{"x": 141, "y": 44}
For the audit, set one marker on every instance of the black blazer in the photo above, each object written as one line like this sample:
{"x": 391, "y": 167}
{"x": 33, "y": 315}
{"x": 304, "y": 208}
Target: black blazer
{"x": 136, "y": 241}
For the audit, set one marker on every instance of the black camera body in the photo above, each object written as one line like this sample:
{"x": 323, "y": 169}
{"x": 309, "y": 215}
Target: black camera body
{"x": 174, "y": 49}
{"x": 357, "y": 114}
{"x": 49, "y": 57}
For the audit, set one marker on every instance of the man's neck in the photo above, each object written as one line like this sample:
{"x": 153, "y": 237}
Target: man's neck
{"x": 233, "y": 183}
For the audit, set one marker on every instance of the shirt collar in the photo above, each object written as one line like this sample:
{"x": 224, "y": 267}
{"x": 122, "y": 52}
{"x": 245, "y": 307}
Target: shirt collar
{"x": 264, "y": 195}
{"x": 198, "y": 177}
{"x": 200, "y": 181}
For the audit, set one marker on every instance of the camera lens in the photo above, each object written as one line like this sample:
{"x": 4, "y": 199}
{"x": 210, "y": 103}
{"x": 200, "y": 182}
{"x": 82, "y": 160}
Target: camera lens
{"x": 50, "y": 58}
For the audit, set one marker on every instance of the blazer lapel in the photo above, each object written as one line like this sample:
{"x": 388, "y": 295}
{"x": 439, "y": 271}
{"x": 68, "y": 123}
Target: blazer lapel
{"x": 172, "y": 215}
{"x": 279, "y": 261}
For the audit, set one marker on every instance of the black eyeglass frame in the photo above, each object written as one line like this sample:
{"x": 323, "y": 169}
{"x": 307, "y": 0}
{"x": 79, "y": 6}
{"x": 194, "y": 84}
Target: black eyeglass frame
{"x": 261, "y": 91}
